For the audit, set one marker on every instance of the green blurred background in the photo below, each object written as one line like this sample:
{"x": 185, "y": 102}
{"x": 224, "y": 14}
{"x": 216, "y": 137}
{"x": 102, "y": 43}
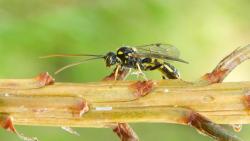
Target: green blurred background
{"x": 203, "y": 30}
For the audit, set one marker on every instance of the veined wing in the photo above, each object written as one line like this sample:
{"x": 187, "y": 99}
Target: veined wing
{"x": 160, "y": 51}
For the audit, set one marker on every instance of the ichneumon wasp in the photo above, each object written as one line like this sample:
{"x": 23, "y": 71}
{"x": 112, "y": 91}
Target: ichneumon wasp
{"x": 141, "y": 58}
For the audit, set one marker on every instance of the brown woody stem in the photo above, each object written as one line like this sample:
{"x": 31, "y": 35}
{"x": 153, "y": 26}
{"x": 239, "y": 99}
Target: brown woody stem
{"x": 227, "y": 65}
{"x": 103, "y": 104}
{"x": 116, "y": 102}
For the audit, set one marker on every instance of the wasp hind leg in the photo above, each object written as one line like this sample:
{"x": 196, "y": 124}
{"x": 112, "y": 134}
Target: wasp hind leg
{"x": 139, "y": 72}
{"x": 169, "y": 71}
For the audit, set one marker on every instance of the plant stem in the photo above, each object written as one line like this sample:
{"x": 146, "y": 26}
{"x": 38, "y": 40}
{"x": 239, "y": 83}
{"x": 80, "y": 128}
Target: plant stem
{"x": 112, "y": 102}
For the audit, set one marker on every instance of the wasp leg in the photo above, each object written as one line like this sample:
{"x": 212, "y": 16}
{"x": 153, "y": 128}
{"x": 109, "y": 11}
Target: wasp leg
{"x": 127, "y": 74}
{"x": 116, "y": 71}
{"x": 169, "y": 71}
{"x": 139, "y": 72}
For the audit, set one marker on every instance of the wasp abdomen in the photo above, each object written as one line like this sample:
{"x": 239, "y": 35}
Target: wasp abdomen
{"x": 169, "y": 71}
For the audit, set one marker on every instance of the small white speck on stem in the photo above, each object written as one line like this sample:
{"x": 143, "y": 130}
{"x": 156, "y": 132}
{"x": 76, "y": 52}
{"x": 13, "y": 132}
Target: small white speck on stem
{"x": 166, "y": 90}
{"x": 103, "y": 108}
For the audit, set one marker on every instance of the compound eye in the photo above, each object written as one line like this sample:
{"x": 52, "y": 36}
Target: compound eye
{"x": 113, "y": 60}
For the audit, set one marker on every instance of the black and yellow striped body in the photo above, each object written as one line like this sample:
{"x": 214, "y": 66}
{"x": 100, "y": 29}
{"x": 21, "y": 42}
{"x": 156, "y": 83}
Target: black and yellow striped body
{"x": 126, "y": 59}
{"x": 167, "y": 70}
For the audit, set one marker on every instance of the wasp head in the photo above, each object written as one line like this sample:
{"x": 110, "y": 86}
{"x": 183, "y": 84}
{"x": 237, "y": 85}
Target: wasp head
{"x": 111, "y": 59}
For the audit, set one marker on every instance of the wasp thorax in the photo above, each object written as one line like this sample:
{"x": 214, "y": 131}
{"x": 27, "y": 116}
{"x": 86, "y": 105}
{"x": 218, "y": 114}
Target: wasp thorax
{"x": 110, "y": 59}
{"x": 125, "y": 53}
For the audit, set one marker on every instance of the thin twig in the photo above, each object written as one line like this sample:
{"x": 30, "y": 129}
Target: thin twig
{"x": 227, "y": 65}
{"x": 125, "y": 132}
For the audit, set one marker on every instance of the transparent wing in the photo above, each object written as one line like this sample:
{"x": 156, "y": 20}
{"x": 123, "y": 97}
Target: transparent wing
{"x": 159, "y": 48}
{"x": 160, "y": 51}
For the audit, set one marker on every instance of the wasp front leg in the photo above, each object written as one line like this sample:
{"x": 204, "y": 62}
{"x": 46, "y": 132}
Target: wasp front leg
{"x": 117, "y": 71}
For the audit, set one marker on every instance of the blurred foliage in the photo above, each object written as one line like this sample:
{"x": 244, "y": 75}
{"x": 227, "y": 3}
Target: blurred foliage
{"x": 203, "y": 30}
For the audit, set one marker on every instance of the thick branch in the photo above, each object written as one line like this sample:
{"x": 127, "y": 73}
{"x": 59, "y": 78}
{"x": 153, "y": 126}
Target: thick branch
{"x": 110, "y": 102}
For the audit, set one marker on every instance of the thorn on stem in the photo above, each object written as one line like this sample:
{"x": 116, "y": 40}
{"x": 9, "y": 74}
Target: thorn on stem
{"x": 125, "y": 133}
{"x": 45, "y": 79}
{"x": 216, "y": 76}
{"x": 80, "y": 108}
{"x": 6, "y": 122}
{"x": 246, "y": 100}
{"x": 121, "y": 74}
{"x": 142, "y": 88}
{"x": 41, "y": 80}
